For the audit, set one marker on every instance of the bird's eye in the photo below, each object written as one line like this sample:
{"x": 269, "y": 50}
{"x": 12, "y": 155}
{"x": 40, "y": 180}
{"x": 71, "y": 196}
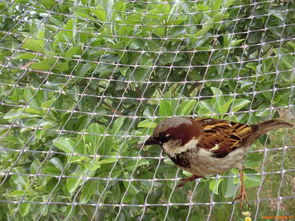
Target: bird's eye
{"x": 164, "y": 139}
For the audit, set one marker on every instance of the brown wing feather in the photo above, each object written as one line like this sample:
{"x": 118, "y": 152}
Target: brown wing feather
{"x": 221, "y": 137}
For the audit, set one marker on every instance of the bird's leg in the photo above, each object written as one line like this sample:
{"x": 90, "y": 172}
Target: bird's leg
{"x": 185, "y": 180}
{"x": 243, "y": 195}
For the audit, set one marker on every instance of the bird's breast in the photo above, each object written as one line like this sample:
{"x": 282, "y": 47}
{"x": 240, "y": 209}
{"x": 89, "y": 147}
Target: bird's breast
{"x": 201, "y": 162}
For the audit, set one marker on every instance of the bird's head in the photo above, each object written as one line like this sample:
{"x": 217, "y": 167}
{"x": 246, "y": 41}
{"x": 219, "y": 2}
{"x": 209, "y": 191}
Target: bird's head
{"x": 173, "y": 133}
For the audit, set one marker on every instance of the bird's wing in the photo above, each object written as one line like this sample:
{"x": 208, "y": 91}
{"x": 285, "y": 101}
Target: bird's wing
{"x": 221, "y": 137}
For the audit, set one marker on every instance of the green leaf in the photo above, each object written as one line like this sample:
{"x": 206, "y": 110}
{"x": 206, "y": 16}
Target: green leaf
{"x": 65, "y": 144}
{"x": 165, "y": 108}
{"x": 214, "y": 185}
{"x": 131, "y": 164}
{"x": 205, "y": 28}
{"x": 117, "y": 125}
{"x": 49, "y": 4}
{"x": 217, "y": 101}
{"x": 132, "y": 188}
{"x": 228, "y": 186}
{"x": 89, "y": 189}
{"x": 203, "y": 8}
{"x": 216, "y": 4}
{"x": 234, "y": 43}
{"x": 147, "y": 124}
{"x": 19, "y": 180}
{"x": 33, "y": 98}
{"x": 94, "y": 136}
{"x": 35, "y": 166}
{"x": 72, "y": 52}
{"x": 107, "y": 161}
{"x": 100, "y": 13}
{"x": 44, "y": 65}
{"x": 207, "y": 106}
{"x": 26, "y": 55}
{"x": 228, "y": 3}
{"x": 73, "y": 182}
{"x": 34, "y": 44}
{"x": 52, "y": 170}
{"x": 252, "y": 180}
{"x": 239, "y": 104}
{"x": 186, "y": 107}
{"x": 16, "y": 193}
{"x": 225, "y": 107}
{"x": 57, "y": 163}
{"x": 24, "y": 209}
{"x": 253, "y": 160}
{"x": 18, "y": 114}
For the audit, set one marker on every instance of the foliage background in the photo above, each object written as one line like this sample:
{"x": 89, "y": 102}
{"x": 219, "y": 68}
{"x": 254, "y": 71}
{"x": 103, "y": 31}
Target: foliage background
{"x": 82, "y": 82}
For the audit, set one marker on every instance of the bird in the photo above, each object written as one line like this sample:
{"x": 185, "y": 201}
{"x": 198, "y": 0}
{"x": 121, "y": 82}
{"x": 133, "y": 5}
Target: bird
{"x": 208, "y": 146}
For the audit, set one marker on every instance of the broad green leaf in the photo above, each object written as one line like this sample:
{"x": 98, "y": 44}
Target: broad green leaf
{"x": 44, "y": 65}
{"x": 65, "y": 144}
{"x": 131, "y": 164}
{"x": 72, "y": 52}
{"x": 48, "y": 103}
{"x": 214, "y": 185}
{"x": 16, "y": 193}
{"x": 228, "y": 3}
{"x": 118, "y": 123}
{"x": 239, "y": 104}
{"x": 216, "y": 4}
{"x": 26, "y": 55}
{"x": 94, "y": 134}
{"x": 147, "y": 124}
{"x": 19, "y": 180}
{"x": 235, "y": 42}
{"x": 252, "y": 180}
{"x": 35, "y": 166}
{"x": 97, "y": 140}
{"x": 205, "y": 28}
{"x": 73, "y": 182}
{"x": 100, "y": 13}
{"x": 33, "y": 110}
{"x": 203, "y": 8}
{"x": 52, "y": 170}
{"x": 165, "y": 108}
{"x": 224, "y": 108}
{"x": 57, "y": 163}
{"x": 207, "y": 106}
{"x": 253, "y": 160}
{"x": 33, "y": 98}
{"x": 229, "y": 187}
{"x": 24, "y": 209}
{"x": 89, "y": 189}
{"x": 34, "y": 44}
{"x": 218, "y": 100}
{"x": 18, "y": 114}
{"x": 186, "y": 107}
{"x": 49, "y": 4}
{"x": 83, "y": 12}
{"x": 132, "y": 189}
{"x": 107, "y": 160}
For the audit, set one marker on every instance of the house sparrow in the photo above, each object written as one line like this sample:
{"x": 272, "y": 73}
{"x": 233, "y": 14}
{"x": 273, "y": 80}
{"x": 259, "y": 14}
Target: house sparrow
{"x": 207, "y": 146}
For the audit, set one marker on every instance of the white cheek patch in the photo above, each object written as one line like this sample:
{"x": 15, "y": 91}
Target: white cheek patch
{"x": 173, "y": 148}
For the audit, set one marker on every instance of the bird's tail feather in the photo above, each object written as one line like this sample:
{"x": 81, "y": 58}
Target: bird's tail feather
{"x": 266, "y": 126}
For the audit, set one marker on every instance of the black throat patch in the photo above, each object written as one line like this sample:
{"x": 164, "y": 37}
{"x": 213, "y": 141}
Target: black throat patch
{"x": 182, "y": 159}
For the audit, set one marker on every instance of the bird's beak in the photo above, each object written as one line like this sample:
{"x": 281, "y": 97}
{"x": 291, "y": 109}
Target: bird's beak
{"x": 149, "y": 141}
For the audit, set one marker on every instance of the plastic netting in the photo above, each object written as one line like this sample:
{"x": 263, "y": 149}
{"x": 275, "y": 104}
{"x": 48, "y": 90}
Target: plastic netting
{"x": 83, "y": 82}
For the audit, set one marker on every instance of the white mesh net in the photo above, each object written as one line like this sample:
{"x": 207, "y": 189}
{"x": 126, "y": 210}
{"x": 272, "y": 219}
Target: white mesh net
{"x": 83, "y": 82}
